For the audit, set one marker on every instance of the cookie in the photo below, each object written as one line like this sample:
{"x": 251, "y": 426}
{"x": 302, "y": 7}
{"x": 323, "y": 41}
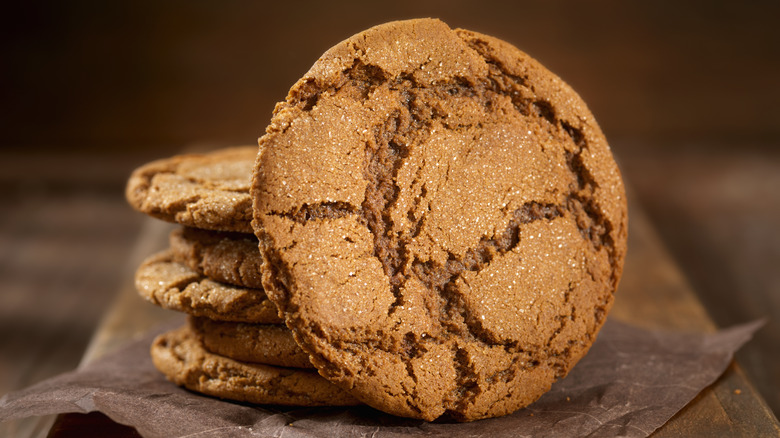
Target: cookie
{"x": 179, "y": 356}
{"x": 232, "y": 258}
{"x": 442, "y": 219}
{"x": 270, "y": 344}
{"x": 209, "y": 191}
{"x": 174, "y": 286}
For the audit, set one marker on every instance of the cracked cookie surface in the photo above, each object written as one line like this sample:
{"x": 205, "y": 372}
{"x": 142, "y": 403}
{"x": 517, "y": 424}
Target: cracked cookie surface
{"x": 182, "y": 359}
{"x": 442, "y": 220}
{"x": 209, "y": 191}
{"x": 270, "y": 344}
{"x": 232, "y": 258}
{"x": 174, "y": 286}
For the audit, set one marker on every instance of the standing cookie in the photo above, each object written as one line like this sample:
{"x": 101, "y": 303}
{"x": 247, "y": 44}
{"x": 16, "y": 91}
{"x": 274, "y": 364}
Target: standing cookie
{"x": 443, "y": 223}
{"x": 209, "y": 191}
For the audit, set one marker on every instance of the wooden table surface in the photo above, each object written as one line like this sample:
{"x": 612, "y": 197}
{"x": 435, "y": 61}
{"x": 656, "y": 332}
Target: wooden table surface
{"x": 687, "y": 93}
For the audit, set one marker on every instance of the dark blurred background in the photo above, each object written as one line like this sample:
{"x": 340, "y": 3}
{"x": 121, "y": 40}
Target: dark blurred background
{"x": 687, "y": 93}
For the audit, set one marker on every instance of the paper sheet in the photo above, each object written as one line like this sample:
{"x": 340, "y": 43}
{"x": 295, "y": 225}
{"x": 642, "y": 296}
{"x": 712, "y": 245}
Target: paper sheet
{"x": 630, "y": 383}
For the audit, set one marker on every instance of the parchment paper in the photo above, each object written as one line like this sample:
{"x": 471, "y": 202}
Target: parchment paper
{"x": 630, "y": 383}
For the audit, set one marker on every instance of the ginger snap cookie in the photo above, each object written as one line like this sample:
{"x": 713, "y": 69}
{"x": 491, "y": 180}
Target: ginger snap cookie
{"x": 174, "y": 286}
{"x": 232, "y": 258}
{"x": 209, "y": 191}
{"x": 443, "y": 223}
{"x": 179, "y": 356}
{"x": 270, "y": 344}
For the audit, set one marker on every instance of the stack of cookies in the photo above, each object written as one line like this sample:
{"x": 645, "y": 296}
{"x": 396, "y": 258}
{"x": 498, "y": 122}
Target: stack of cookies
{"x": 235, "y": 345}
{"x": 441, "y": 227}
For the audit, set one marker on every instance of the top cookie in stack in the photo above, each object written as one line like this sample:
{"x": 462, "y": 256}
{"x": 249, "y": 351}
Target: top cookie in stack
{"x": 234, "y": 345}
{"x": 207, "y": 191}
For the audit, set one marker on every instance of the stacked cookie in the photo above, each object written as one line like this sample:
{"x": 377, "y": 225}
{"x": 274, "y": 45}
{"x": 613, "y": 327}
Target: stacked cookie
{"x": 235, "y": 345}
{"x": 440, "y": 222}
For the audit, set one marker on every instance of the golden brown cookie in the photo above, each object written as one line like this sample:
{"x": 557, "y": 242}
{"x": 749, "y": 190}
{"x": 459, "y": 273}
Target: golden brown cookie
{"x": 232, "y": 258}
{"x": 179, "y": 356}
{"x": 174, "y": 286}
{"x": 209, "y": 191}
{"x": 443, "y": 222}
{"x": 270, "y": 344}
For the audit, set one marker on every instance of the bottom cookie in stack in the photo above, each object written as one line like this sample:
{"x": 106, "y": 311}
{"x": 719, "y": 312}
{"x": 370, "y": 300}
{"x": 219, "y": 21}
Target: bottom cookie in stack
{"x": 181, "y": 357}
